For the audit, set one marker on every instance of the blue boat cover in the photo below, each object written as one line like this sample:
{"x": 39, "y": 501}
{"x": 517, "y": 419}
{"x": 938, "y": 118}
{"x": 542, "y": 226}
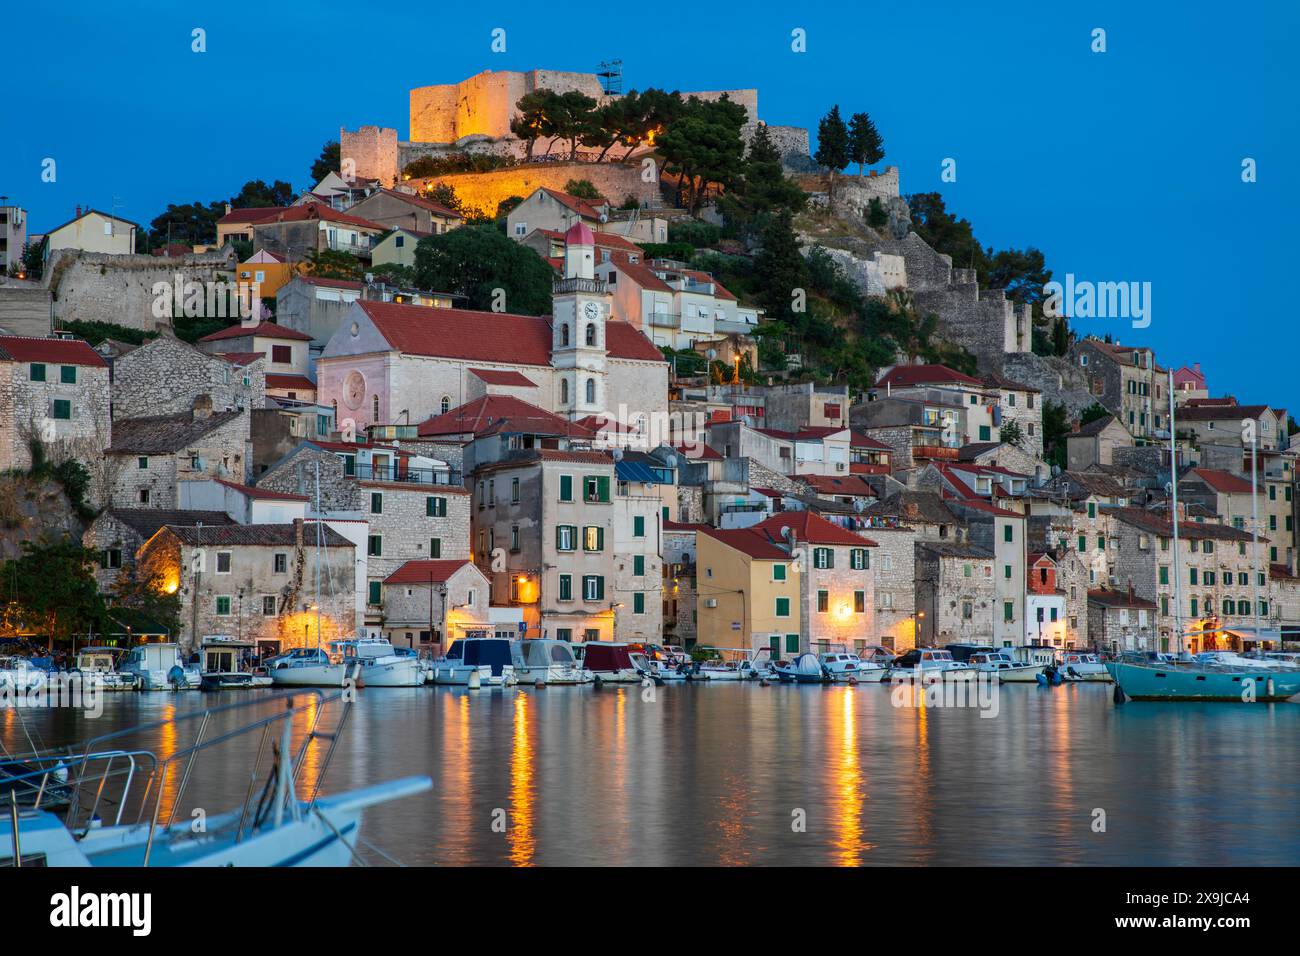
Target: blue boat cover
{"x": 494, "y": 651}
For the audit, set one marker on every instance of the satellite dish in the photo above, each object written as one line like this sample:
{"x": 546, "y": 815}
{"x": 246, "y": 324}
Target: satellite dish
{"x": 671, "y": 461}
{"x": 859, "y": 505}
{"x": 1169, "y": 487}
{"x": 788, "y": 533}
{"x": 618, "y": 454}
{"x": 711, "y": 354}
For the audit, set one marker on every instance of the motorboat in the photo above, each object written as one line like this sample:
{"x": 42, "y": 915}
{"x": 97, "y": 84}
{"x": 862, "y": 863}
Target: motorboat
{"x": 489, "y": 658}
{"x": 1195, "y": 680}
{"x": 845, "y": 668}
{"x": 309, "y": 667}
{"x": 610, "y": 663}
{"x": 160, "y": 667}
{"x": 928, "y": 665}
{"x": 376, "y": 663}
{"x": 1007, "y": 671}
{"x": 22, "y": 674}
{"x": 226, "y": 663}
{"x": 1239, "y": 661}
{"x": 735, "y": 664}
{"x": 804, "y": 669}
{"x": 98, "y": 667}
{"x": 549, "y": 661}
{"x": 1082, "y": 666}
{"x": 75, "y": 805}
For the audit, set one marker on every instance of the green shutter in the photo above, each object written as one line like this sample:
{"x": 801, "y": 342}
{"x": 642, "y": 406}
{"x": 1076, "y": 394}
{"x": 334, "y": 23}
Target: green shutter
{"x": 600, "y": 539}
{"x": 566, "y": 487}
{"x": 638, "y": 527}
{"x": 638, "y": 603}
{"x": 792, "y": 643}
{"x": 600, "y": 587}
{"x": 602, "y": 487}
{"x": 638, "y": 564}
{"x": 435, "y": 547}
{"x": 375, "y": 592}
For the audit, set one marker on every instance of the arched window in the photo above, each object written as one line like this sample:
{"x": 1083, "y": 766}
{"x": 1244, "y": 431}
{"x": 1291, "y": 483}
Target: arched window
{"x": 564, "y": 333}
{"x": 1227, "y": 605}
{"x": 564, "y": 391}
{"x": 591, "y": 391}
{"x": 446, "y": 404}
{"x": 591, "y": 333}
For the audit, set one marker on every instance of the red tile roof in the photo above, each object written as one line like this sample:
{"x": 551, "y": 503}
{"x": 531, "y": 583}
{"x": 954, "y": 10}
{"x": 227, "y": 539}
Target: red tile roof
{"x": 264, "y": 329}
{"x": 318, "y": 211}
{"x": 859, "y": 440}
{"x": 1223, "y": 482}
{"x": 490, "y": 336}
{"x": 330, "y": 283}
{"x": 980, "y": 504}
{"x": 423, "y": 203}
{"x": 241, "y": 358}
{"x": 422, "y": 572}
{"x": 1218, "y": 413}
{"x": 907, "y": 376}
{"x": 251, "y": 214}
{"x": 642, "y": 275}
{"x": 697, "y": 452}
{"x": 22, "y": 348}
{"x": 496, "y": 376}
{"x": 607, "y": 240}
{"x": 747, "y": 542}
{"x": 493, "y": 414}
{"x": 812, "y": 528}
{"x": 831, "y": 485}
{"x": 581, "y": 206}
{"x": 274, "y": 380}
{"x": 262, "y": 494}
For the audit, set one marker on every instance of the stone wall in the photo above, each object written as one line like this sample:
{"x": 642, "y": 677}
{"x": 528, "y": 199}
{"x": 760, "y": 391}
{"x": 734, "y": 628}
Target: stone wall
{"x": 24, "y": 308}
{"x": 99, "y": 287}
{"x": 370, "y": 153}
{"x": 165, "y": 376}
{"x": 340, "y": 495}
{"x": 405, "y": 527}
{"x": 1061, "y": 381}
{"x": 26, "y": 414}
{"x": 484, "y": 191}
{"x": 220, "y": 453}
{"x": 894, "y": 564}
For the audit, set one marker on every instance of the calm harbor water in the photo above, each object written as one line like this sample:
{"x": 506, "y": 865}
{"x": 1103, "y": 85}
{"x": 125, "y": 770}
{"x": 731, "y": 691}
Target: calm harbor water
{"x": 718, "y": 774}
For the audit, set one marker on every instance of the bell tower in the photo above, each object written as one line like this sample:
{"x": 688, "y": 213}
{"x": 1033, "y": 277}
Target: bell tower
{"x": 580, "y": 307}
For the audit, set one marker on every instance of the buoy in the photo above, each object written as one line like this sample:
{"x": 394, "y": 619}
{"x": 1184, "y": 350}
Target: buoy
{"x": 1268, "y": 688}
{"x": 764, "y": 683}
{"x": 475, "y": 681}
{"x": 1119, "y": 695}
{"x": 1042, "y": 680}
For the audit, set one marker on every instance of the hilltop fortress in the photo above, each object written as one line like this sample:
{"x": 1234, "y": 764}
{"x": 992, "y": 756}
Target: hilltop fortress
{"x": 474, "y": 116}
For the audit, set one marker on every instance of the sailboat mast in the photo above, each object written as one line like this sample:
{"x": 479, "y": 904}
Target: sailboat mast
{"x": 318, "y": 544}
{"x": 1173, "y": 518}
{"x": 1256, "y": 567}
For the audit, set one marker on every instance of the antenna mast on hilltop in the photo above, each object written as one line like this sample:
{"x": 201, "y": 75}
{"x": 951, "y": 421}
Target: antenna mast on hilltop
{"x": 611, "y": 76}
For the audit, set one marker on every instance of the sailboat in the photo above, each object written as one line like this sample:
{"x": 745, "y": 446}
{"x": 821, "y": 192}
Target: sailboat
{"x": 1186, "y": 678}
{"x": 311, "y": 666}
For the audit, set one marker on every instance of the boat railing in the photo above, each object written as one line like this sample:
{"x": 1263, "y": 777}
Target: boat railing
{"x": 99, "y": 762}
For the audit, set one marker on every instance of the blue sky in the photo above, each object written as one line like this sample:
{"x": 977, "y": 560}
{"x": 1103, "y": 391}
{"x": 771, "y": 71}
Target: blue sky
{"x": 1120, "y": 166}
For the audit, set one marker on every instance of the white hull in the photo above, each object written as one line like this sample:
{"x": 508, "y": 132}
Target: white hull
{"x": 869, "y": 675}
{"x": 1011, "y": 675}
{"x": 554, "y": 674}
{"x": 908, "y": 676}
{"x": 157, "y": 680}
{"x": 310, "y": 675}
{"x": 457, "y": 675}
{"x": 624, "y": 675}
{"x": 724, "y": 673}
{"x": 392, "y": 672}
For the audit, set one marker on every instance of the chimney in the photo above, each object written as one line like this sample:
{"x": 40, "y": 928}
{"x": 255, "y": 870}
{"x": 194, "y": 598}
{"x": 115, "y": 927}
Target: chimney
{"x": 1130, "y": 592}
{"x": 201, "y": 409}
{"x": 227, "y": 209}
{"x": 78, "y": 210}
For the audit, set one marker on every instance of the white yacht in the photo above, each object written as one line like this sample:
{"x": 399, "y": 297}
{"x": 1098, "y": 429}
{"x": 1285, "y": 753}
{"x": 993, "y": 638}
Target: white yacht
{"x": 1006, "y": 670}
{"x": 549, "y": 661}
{"x": 160, "y": 667}
{"x": 928, "y": 665}
{"x": 21, "y": 674}
{"x": 488, "y": 657}
{"x": 1082, "y": 666}
{"x": 379, "y": 664}
{"x": 846, "y": 668}
{"x": 98, "y": 666}
{"x": 308, "y": 667}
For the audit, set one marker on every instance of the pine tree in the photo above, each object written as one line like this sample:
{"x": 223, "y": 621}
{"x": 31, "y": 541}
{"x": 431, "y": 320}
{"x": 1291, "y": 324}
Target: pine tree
{"x": 832, "y": 144}
{"x": 865, "y": 145}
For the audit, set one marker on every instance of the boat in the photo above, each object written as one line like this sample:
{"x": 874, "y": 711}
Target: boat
{"x": 845, "y": 668}
{"x": 22, "y": 674}
{"x": 488, "y": 657}
{"x": 928, "y": 665}
{"x": 376, "y": 663}
{"x": 733, "y": 664}
{"x": 549, "y": 661}
{"x": 105, "y": 805}
{"x": 610, "y": 663}
{"x": 226, "y": 663}
{"x": 309, "y": 667}
{"x": 804, "y": 669}
{"x": 1007, "y": 671}
{"x": 1239, "y": 661}
{"x": 1082, "y": 666}
{"x": 1195, "y": 680}
{"x": 160, "y": 667}
{"x": 98, "y": 667}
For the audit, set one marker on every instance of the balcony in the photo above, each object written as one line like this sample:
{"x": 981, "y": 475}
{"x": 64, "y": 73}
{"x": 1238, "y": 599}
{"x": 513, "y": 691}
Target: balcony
{"x": 935, "y": 452}
{"x": 665, "y": 320}
{"x": 403, "y": 475}
{"x": 361, "y": 248}
{"x": 574, "y": 284}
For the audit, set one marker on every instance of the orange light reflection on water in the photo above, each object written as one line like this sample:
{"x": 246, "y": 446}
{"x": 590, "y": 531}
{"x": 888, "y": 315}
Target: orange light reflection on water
{"x": 520, "y": 834}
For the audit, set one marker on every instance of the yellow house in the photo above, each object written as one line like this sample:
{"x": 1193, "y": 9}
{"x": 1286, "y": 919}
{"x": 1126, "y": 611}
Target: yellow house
{"x": 93, "y": 231}
{"x": 748, "y": 592}
{"x": 268, "y": 271}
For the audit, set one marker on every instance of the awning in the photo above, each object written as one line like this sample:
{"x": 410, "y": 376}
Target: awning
{"x": 635, "y": 471}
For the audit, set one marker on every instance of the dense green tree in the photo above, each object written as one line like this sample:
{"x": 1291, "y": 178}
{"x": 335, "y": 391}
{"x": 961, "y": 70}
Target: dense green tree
{"x": 334, "y": 264}
{"x": 257, "y": 194}
{"x": 537, "y": 117}
{"x": 1056, "y": 426}
{"x": 34, "y": 259}
{"x": 945, "y": 233}
{"x": 1023, "y": 274}
{"x": 702, "y": 147}
{"x": 147, "y": 596}
{"x": 782, "y": 273}
{"x": 53, "y": 587}
{"x": 327, "y": 162}
{"x": 583, "y": 189}
{"x": 763, "y": 188}
{"x": 476, "y": 260}
{"x": 865, "y": 146}
{"x": 832, "y": 144}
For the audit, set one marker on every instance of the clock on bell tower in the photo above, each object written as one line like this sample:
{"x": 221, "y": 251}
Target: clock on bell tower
{"x": 580, "y": 308}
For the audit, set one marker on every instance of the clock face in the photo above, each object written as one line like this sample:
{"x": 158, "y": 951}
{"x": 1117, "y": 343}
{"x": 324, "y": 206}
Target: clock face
{"x": 591, "y": 310}
{"x": 354, "y": 390}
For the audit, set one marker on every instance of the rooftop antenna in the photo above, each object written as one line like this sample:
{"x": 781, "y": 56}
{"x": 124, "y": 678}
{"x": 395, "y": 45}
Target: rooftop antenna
{"x": 611, "y": 76}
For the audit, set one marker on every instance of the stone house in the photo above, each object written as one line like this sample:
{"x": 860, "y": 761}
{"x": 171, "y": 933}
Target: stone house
{"x": 256, "y": 581}
{"x": 285, "y": 349}
{"x": 402, "y": 210}
{"x": 1120, "y": 621}
{"x": 56, "y": 391}
{"x": 1095, "y": 443}
{"x": 1002, "y": 532}
{"x": 150, "y": 456}
{"x": 117, "y": 534}
{"x": 917, "y": 430}
{"x": 297, "y": 232}
{"x": 748, "y": 593}
{"x": 552, "y": 209}
{"x": 836, "y": 582}
{"x": 92, "y": 231}
{"x": 680, "y": 586}
{"x": 315, "y": 306}
{"x": 429, "y": 604}
{"x": 956, "y": 593}
{"x": 165, "y": 375}
{"x": 1045, "y": 604}
{"x": 573, "y": 543}
{"x": 1022, "y": 404}
{"x": 982, "y": 400}
{"x": 1126, "y": 381}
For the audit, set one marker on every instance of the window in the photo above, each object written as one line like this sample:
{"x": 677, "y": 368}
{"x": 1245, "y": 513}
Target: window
{"x": 521, "y": 229}
{"x": 886, "y": 599}
{"x": 110, "y": 559}
{"x": 1194, "y": 606}
{"x": 782, "y": 607}
{"x": 268, "y": 605}
{"x": 282, "y": 354}
{"x": 142, "y": 462}
{"x": 376, "y": 503}
{"x": 986, "y": 434}
{"x": 595, "y": 488}
{"x": 566, "y": 537}
{"x": 566, "y": 487}
{"x": 564, "y": 390}
{"x": 859, "y": 559}
{"x": 223, "y": 606}
{"x": 638, "y": 564}
{"x": 566, "y": 587}
{"x": 514, "y": 537}
{"x": 375, "y": 546}
{"x": 593, "y": 587}
{"x": 1083, "y": 542}
{"x": 823, "y": 601}
{"x": 1006, "y": 571}
{"x": 514, "y": 491}
{"x": 593, "y": 538}
{"x": 280, "y": 563}
{"x": 374, "y": 405}
{"x": 445, "y": 404}
{"x": 36, "y": 372}
{"x": 61, "y": 409}
{"x": 591, "y": 389}
{"x": 1164, "y": 574}
{"x": 859, "y": 602}
{"x": 823, "y": 558}
{"x": 967, "y": 610}
{"x": 1007, "y": 532}
{"x": 590, "y": 334}
{"x": 144, "y": 496}
{"x": 638, "y": 527}
{"x": 435, "y": 547}
{"x": 638, "y": 603}
{"x": 778, "y": 572}
{"x": 1008, "y": 611}
{"x": 223, "y": 562}
{"x": 375, "y": 593}
{"x": 1192, "y": 575}
{"x": 435, "y": 507}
